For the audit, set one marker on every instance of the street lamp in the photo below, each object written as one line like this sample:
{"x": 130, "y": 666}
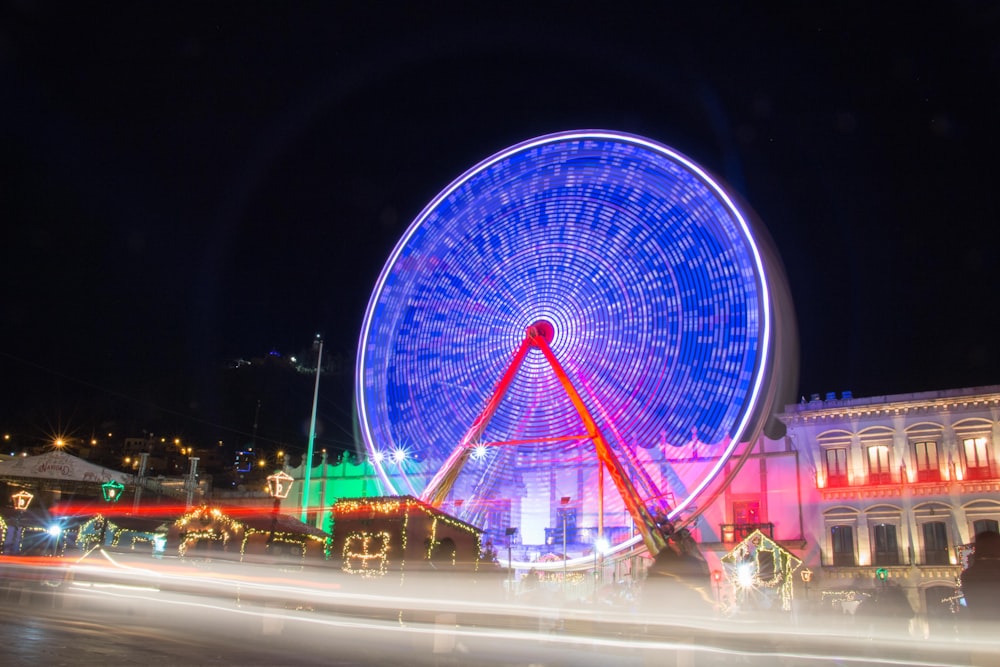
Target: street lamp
{"x": 307, "y": 474}
{"x": 511, "y": 532}
{"x": 21, "y": 501}
{"x": 807, "y": 576}
{"x": 600, "y": 546}
{"x": 112, "y": 492}
{"x": 564, "y": 502}
{"x": 278, "y": 485}
{"x": 717, "y": 579}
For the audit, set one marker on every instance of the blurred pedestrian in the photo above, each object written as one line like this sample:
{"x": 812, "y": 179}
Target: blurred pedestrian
{"x": 981, "y": 587}
{"x": 981, "y": 580}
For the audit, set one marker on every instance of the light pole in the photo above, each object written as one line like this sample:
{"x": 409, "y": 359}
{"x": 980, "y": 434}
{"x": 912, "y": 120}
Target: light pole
{"x": 717, "y": 579}
{"x": 278, "y": 485}
{"x": 600, "y": 546}
{"x": 511, "y": 532}
{"x": 807, "y": 576}
{"x": 307, "y": 476}
{"x": 563, "y": 503}
{"x": 112, "y": 493}
{"x": 21, "y": 501}
{"x": 140, "y": 481}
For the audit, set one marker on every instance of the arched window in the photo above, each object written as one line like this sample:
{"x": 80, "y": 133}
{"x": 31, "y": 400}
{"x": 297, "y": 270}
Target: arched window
{"x": 977, "y": 459}
{"x": 925, "y": 455}
{"x": 842, "y": 541}
{"x": 885, "y": 546}
{"x": 936, "y": 543}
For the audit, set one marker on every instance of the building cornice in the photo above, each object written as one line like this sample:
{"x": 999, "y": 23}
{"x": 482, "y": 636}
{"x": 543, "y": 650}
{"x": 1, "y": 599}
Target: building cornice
{"x": 955, "y": 400}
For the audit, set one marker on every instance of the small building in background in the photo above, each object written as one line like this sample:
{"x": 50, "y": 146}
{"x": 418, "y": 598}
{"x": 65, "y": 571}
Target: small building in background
{"x": 374, "y": 537}
{"x": 245, "y": 535}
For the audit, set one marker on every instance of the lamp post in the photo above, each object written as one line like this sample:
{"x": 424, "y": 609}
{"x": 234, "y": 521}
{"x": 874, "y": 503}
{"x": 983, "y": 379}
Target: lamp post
{"x": 882, "y": 574}
{"x": 21, "y": 501}
{"x": 600, "y": 545}
{"x": 112, "y": 493}
{"x": 511, "y": 532}
{"x": 278, "y": 485}
{"x": 717, "y": 579}
{"x": 807, "y": 576}
{"x": 563, "y": 503}
{"x": 307, "y": 462}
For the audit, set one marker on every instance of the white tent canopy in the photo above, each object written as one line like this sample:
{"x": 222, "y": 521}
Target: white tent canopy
{"x": 59, "y": 465}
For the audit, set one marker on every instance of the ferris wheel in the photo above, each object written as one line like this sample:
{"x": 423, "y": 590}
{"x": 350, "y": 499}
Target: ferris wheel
{"x": 585, "y": 295}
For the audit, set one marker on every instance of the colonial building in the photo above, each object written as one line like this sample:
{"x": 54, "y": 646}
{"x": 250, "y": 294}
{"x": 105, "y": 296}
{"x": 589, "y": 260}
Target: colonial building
{"x": 895, "y": 487}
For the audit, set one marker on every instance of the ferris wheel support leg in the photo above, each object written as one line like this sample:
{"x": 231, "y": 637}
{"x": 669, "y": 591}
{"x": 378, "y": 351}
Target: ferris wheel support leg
{"x": 651, "y": 534}
{"x": 440, "y": 485}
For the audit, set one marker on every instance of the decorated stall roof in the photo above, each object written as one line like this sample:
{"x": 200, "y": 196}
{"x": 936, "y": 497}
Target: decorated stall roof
{"x": 242, "y": 534}
{"x": 58, "y": 465}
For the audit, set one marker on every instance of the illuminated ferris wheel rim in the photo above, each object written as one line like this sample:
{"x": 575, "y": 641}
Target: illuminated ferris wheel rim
{"x": 739, "y": 431}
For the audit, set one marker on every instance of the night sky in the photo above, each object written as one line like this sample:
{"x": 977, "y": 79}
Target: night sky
{"x": 189, "y": 183}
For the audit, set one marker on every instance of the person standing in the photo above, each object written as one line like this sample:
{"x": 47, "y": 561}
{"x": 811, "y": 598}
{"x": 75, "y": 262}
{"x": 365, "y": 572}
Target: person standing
{"x": 981, "y": 580}
{"x": 981, "y": 588}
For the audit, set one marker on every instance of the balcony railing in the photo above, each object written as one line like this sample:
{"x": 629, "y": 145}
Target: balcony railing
{"x": 979, "y": 473}
{"x": 737, "y": 532}
{"x": 923, "y": 476}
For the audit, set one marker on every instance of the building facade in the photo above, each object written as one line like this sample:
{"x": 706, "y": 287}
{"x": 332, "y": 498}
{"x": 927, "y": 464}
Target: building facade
{"x": 896, "y": 488}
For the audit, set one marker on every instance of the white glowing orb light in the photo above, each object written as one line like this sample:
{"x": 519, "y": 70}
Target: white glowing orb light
{"x": 745, "y": 575}
{"x": 54, "y": 530}
{"x": 398, "y": 455}
{"x": 479, "y": 452}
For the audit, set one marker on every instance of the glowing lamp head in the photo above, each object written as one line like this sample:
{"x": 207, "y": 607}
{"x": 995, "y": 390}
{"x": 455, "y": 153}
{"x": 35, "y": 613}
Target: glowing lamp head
{"x": 21, "y": 500}
{"x": 55, "y": 530}
{"x": 112, "y": 491}
{"x": 279, "y": 484}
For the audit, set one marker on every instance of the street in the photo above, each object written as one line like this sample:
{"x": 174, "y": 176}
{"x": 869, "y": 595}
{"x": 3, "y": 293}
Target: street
{"x": 174, "y": 614}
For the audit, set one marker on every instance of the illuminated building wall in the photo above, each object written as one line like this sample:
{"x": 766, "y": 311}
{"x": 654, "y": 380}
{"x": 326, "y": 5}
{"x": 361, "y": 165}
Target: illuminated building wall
{"x": 897, "y": 482}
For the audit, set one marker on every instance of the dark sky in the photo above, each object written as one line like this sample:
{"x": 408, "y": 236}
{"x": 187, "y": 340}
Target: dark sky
{"x": 188, "y": 183}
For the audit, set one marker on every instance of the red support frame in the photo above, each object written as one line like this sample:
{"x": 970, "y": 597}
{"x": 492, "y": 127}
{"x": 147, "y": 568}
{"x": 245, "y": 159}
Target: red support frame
{"x": 538, "y": 336}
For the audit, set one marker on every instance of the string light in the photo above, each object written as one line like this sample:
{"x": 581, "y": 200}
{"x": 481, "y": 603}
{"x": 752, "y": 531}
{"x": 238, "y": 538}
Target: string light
{"x": 758, "y": 555}
{"x": 217, "y": 526}
{"x": 357, "y": 554}
{"x": 359, "y": 546}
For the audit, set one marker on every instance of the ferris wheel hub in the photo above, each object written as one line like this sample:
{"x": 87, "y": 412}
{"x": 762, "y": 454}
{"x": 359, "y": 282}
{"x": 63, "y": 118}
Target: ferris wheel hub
{"x": 542, "y": 329}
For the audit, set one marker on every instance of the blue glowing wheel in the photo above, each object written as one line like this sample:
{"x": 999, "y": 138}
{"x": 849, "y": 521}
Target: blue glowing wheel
{"x": 648, "y": 284}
